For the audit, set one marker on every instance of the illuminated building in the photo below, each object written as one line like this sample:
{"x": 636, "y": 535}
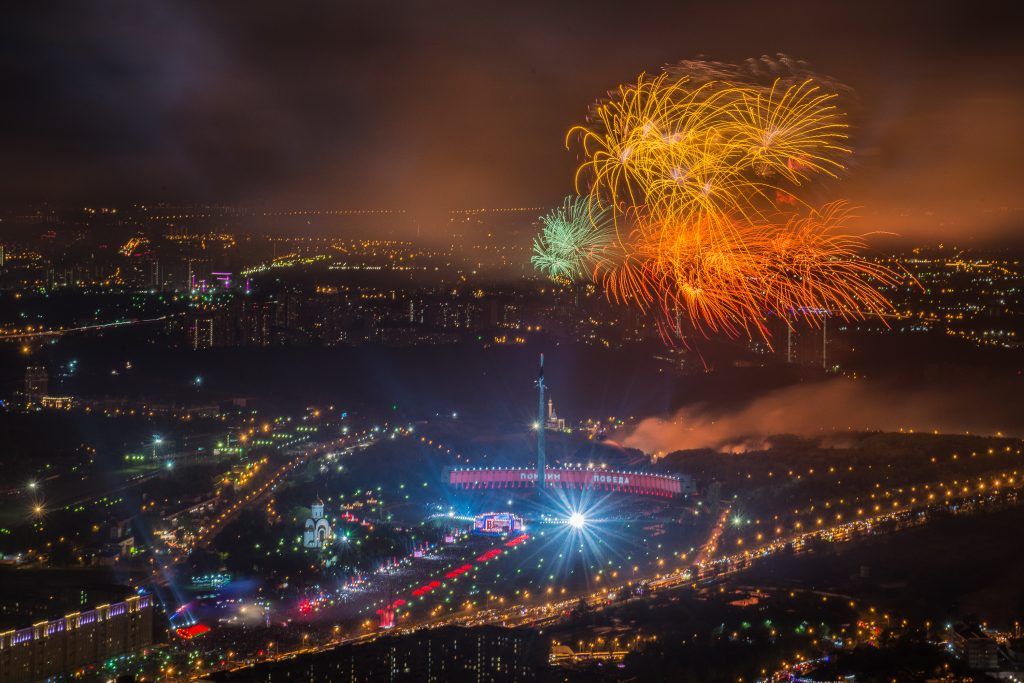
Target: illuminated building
{"x": 980, "y": 652}
{"x": 639, "y": 483}
{"x": 553, "y": 422}
{"x": 196, "y": 272}
{"x": 255, "y": 322}
{"x": 541, "y": 477}
{"x": 483, "y": 653}
{"x": 201, "y": 333}
{"x": 497, "y": 523}
{"x": 56, "y": 402}
{"x": 36, "y": 384}
{"x": 318, "y": 529}
{"x": 156, "y": 275}
{"x": 50, "y": 648}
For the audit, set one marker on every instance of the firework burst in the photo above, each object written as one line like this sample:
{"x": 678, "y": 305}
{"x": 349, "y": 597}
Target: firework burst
{"x": 703, "y": 171}
{"x": 573, "y": 238}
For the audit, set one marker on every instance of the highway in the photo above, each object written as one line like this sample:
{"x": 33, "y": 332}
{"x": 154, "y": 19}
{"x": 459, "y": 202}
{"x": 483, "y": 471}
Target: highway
{"x": 707, "y": 568}
{"x": 208, "y": 533}
{"x": 26, "y": 334}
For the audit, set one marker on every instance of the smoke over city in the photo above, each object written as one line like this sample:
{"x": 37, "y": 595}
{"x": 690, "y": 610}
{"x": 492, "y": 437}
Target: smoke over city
{"x": 824, "y": 408}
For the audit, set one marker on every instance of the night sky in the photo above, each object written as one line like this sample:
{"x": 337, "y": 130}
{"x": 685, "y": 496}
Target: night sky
{"x": 438, "y": 105}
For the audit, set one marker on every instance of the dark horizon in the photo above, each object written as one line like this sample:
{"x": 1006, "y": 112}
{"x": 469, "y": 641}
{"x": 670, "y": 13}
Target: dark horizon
{"x": 426, "y": 109}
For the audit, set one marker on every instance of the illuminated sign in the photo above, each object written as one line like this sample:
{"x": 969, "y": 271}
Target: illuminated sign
{"x": 641, "y": 483}
{"x": 497, "y": 523}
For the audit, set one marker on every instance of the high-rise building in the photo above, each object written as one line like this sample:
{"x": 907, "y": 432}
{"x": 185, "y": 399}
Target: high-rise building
{"x": 37, "y": 383}
{"x": 802, "y": 342}
{"x": 286, "y": 313}
{"x": 198, "y": 273}
{"x": 452, "y": 653}
{"x": 201, "y": 333}
{"x": 553, "y": 422}
{"x": 156, "y": 275}
{"x": 256, "y": 324}
{"x": 55, "y": 649}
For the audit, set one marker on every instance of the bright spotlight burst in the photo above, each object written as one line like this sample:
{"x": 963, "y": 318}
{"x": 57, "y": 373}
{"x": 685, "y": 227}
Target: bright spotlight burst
{"x": 580, "y": 536}
{"x": 696, "y": 201}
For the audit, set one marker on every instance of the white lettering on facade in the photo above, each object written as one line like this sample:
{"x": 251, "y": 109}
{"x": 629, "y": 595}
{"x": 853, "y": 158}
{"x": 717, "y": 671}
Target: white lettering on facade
{"x": 610, "y": 479}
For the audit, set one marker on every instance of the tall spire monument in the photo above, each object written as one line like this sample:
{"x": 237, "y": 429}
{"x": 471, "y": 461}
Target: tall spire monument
{"x": 541, "y": 455}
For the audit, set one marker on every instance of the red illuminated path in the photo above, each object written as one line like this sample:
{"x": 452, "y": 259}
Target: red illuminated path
{"x": 430, "y": 586}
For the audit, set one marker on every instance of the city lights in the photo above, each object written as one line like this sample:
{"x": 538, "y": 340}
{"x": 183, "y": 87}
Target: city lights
{"x": 534, "y": 349}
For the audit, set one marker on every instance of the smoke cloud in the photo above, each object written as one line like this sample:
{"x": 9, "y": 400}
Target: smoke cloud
{"x": 824, "y": 408}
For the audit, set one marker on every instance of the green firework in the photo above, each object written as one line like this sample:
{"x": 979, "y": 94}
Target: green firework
{"x": 572, "y": 238}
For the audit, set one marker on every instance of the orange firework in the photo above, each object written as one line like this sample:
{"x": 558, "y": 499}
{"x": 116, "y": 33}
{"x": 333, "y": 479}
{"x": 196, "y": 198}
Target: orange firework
{"x": 687, "y": 272}
{"x": 702, "y": 168}
{"x": 812, "y": 268}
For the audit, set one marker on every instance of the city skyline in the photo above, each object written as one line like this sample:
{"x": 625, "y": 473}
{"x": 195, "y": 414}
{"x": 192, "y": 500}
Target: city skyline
{"x": 327, "y": 107}
{"x": 588, "y": 342}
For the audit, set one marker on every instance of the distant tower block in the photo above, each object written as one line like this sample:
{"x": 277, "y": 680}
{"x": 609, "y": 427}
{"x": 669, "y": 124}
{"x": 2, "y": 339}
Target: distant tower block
{"x": 553, "y": 422}
{"x": 541, "y": 423}
{"x": 36, "y": 384}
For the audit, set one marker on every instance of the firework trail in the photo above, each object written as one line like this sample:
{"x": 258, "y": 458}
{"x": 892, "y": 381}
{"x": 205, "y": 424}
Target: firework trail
{"x": 702, "y": 175}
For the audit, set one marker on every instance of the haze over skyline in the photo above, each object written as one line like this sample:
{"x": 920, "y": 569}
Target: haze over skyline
{"x": 427, "y": 108}
{"x": 569, "y": 341}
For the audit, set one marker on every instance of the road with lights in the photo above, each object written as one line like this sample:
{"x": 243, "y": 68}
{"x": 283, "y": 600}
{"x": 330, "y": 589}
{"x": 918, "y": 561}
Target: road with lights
{"x": 506, "y": 583}
{"x": 711, "y": 568}
{"x": 209, "y": 532}
{"x": 29, "y": 332}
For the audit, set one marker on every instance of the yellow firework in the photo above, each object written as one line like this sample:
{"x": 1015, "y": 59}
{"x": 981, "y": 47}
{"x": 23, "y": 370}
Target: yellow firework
{"x": 703, "y": 169}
